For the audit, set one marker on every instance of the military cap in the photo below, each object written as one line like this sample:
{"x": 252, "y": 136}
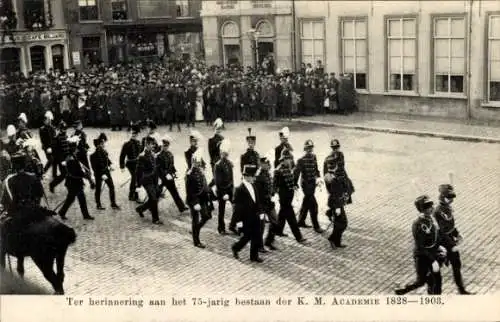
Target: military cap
{"x": 149, "y": 139}
{"x": 102, "y": 137}
{"x": 250, "y": 136}
{"x": 335, "y": 143}
{"x": 447, "y": 191}
{"x": 166, "y": 139}
{"x": 423, "y": 202}
{"x": 135, "y": 129}
{"x": 308, "y": 144}
{"x": 249, "y": 170}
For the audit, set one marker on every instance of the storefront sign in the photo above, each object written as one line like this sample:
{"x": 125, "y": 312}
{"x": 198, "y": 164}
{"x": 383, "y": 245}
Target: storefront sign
{"x": 36, "y": 36}
{"x": 76, "y": 58}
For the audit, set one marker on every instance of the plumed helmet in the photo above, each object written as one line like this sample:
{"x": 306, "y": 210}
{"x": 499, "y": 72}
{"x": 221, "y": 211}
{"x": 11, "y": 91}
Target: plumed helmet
{"x": 308, "y": 144}
{"x": 23, "y": 117}
{"x": 218, "y": 123}
{"x": 11, "y": 130}
{"x": 74, "y": 140}
{"x": 250, "y": 136}
{"x": 30, "y": 143}
{"x": 285, "y": 132}
{"x": 166, "y": 139}
{"x": 423, "y": 202}
{"x": 446, "y": 191}
{"x": 195, "y": 135}
{"x": 225, "y": 146}
{"x": 335, "y": 143}
{"x": 49, "y": 115}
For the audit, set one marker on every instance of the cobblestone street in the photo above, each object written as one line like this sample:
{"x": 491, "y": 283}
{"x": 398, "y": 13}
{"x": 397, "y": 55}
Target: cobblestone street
{"x": 120, "y": 253}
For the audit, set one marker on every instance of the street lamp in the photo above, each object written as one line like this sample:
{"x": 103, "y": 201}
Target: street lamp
{"x": 254, "y": 36}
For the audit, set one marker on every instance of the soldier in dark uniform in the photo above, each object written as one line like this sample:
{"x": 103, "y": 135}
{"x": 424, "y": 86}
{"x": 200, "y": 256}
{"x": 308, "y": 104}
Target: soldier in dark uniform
{"x": 128, "y": 157}
{"x": 335, "y": 160}
{"x": 13, "y": 144}
{"x": 224, "y": 182}
{"x": 101, "y": 165}
{"x": 214, "y": 142}
{"x": 194, "y": 139}
{"x": 264, "y": 185}
{"x": 337, "y": 199}
{"x": 284, "y": 134}
{"x": 76, "y": 172}
{"x": 284, "y": 186}
{"x": 83, "y": 147}
{"x": 147, "y": 177}
{"x": 250, "y": 157}
{"x": 247, "y": 205}
{"x": 33, "y": 164}
{"x": 47, "y": 136}
{"x": 448, "y": 233}
{"x": 197, "y": 197}
{"x": 22, "y": 129}
{"x": 168, "y": 173}
{"x": 427, "y": 252}
{"x": 307, "y": 169}
{"x": 61, "y": 151}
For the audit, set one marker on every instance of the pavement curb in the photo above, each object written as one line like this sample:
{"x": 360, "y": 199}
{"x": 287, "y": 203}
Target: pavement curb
{"x": 446, "y": 136}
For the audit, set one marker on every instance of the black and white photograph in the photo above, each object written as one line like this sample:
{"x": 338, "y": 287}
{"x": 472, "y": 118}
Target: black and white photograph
{"x": 249, "y": 147}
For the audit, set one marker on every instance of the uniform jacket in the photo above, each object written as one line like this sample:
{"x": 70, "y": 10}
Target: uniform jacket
{"x": 146, "y": 171}
{"x": 100, "y": 162}
{"x": 165, "y": 164}
{"x": 47, "y": 136}
{"x": 223, "y": 175}
{"x": 425, "y": 234}
{"x": 130, "y": 151}
{"x": 278, "y": 150}
{"x": 283, "y": 182}
{"x": 188, "y": 154}
{"x": 264, "y": 185}
{"x": 61, "y": 147}
{"x": 197, "y": 191}
{"x": 250, "y": 157}
{"x": 448, "y": 233}
{"x": 307, "y": 170}
{"x": 214, "y": 148}
{"x": 75, "y": 173}
{"x": 83, "y": 147}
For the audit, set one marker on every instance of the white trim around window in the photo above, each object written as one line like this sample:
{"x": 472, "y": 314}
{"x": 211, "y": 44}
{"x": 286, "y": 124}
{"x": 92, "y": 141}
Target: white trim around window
{"x": 312, "y": 41}
{"x": 493, "y": 84}
{"x": 401, "y": 54}
{"x": 354, "y": 54}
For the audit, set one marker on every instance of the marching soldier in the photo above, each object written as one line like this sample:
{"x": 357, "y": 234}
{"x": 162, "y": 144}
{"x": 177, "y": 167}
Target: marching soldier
{"x": 147, "y": 177}
{"x": 151, "y": 130}
{"x": 284, "y": 186}
{"x": 61, "y": 152}
{"x": 76, "y": 172}
{"x": 250, "y": 157}
{"x": 197, "y": 197}
{"x": 335, "y": 160}
{"x": 449, "y": 236}
{"x": 83, "y": 147}
{"x": 168, "y": 173}
{"x": 214, "y": 142}
{"x": 47, "y": 136}
{"x": 101, "y": 165}
{"x": 33, "y": 164}
{"x": 224, "y": 181}
{"x": 247, "y": 206}
{"x": 13, "y": 143}
{"x": 337, "y": 199}
{"x": 22, "y": 128}
{"x": 194, "y": 139}
{"x": 128, "y": 157}
{"x": 427, "y": 251}
{"x": 264, "y": 185}
{"x": 307, "y": 170}
{"x": 284, "y": 135}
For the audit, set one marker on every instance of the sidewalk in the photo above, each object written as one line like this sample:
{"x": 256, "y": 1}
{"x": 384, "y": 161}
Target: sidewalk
{"x": 472, "y": 131}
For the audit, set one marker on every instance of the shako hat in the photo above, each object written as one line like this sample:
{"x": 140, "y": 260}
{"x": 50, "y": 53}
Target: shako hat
{"x": 250, "y": 136}
{"x": 423, "y": 202}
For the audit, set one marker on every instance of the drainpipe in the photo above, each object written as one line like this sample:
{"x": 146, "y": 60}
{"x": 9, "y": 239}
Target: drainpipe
{"x": 294, "y": 38}
{"x": 469, "y": 55}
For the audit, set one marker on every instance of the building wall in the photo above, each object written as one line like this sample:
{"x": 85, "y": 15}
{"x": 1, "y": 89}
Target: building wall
{"x": 423, "y": 100}
{"x": 247, "y": 16}
{"x": 26, "y": 39}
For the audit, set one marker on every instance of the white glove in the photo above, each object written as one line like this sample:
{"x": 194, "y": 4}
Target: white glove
{"x": 104, "y": 177}
{"x": 442, "y": 251}
{"x": 239, "y": 224}
{"x": 455, "y": 248}
{"x": 226, "y": 197}
{"x": 435, "y": 267}
{"x": 262, "y": 216}
{"x": 137, "y": 189}
{"x": 338, "y": 211}
{"x": 49, "y": 150}
{"x": 197, "y": 207}
{"x": 169, "y": 177}
{"x": 274, "y": 198}
{"x": 63, "y": 163}
{"x": 214, "y": 190}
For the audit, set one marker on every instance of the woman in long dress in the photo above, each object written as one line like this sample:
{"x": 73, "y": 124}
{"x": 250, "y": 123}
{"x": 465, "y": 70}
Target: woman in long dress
{"x": 199, "y": 106}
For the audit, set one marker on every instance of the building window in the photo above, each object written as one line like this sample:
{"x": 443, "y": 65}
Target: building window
{"x": 354, "y": 50}
{"x": 88, "y": 10}
{"x": 449, "y": 55}
{"x": 312, "y": 38}
{"x": 153, "y": 8}
{"x": 34, "y": 14}
{"x": 37, "y": 57}
{"x": 119, "y": 9}
{"x": 182, "y": 8}
{"x": 262, "y": 4}
{"x": 494, "y": 58}
{"x": 91, "y": 49}
{"x": 402, "y": 53}
{"x": 227, "y": 4}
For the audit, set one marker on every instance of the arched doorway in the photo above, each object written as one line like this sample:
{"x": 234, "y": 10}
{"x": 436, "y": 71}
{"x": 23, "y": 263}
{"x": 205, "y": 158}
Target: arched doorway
{"x": 10, "y": 60}
{"x": 231, "y": 43}
{"x": 37, "y": 57}
{"x": 265, "y": 42}
{"x": 58, "y": 57}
